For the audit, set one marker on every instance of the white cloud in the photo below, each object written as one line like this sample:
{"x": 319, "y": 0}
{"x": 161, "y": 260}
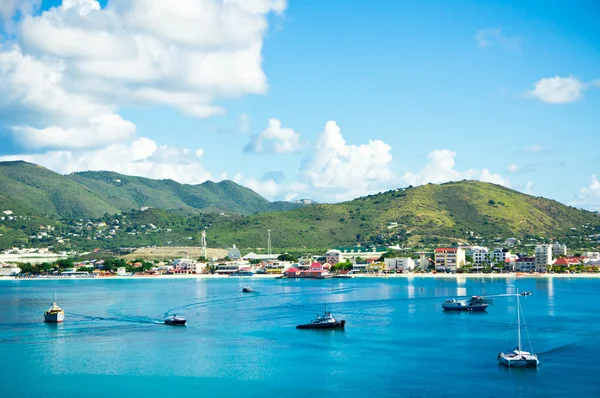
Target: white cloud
{"x": 536, "y": 148}
{"x": 487, "y": 37}
{"x": 347, "y": 171}
{"x": 70, "y": 68}
{"x": 589, "y": 197}
{"x": 528, "y": 188}
{"x": 275, "y": 139}
{"x": 513, "y": 168}
{"x": 141, "y": 157}
{"x": 244, "y": 124}
{"x": 440, "y": 168}
{"x": 558, "y": 90}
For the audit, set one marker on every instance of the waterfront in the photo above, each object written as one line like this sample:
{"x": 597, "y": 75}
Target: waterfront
{"x": 398, "y": 340}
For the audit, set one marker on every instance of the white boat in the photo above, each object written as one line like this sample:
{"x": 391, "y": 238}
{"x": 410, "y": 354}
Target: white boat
{"x": 461, "y": 305}
{"x": 518, "y": 357}
{"x": 55, "y": 314}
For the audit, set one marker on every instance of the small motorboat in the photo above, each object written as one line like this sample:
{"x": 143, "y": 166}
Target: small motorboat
{"x": 327, "y": 321}
{"x": 526, "y": 293}
{"x": 481, "y": 300}
{"x": 247, "y": 289}
{"x": 175, "y": 320}
{"x": 458, "y": 305}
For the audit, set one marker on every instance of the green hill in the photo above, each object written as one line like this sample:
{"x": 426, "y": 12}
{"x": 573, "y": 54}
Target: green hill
{"x": 428, "y": 214}
{"x": 35, "y": 190}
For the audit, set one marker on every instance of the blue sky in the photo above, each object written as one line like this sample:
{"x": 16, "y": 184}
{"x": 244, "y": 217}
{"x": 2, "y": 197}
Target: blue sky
{"x": 416, "y": 91}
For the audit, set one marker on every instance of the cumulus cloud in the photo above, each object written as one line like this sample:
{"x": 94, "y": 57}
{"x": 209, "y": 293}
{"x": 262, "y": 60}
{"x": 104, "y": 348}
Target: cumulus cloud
{"x": 559, "y": 90}
{"x": 275, "y": 139}
{"x": 68, "y": 70}
{"x": 141, "y": 157}
{"x": 488, "y": 37}
{"x": 589, "y": 197}
{"x": 440, "y": 168}
{"x": 513, "y": 168}
{"x": 528, "y": 188}
{"x": 347, "y": 171}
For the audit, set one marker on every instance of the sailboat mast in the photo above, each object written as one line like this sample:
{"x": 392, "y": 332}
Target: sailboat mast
{"x": 519, "y": 320}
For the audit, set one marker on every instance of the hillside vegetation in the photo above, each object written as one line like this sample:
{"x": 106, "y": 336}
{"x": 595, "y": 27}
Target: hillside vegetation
{"x": 37, "y": 190}
{"x": 458, "y": 212}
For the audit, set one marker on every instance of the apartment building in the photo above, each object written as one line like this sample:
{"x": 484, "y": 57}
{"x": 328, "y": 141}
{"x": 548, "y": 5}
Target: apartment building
{"x": 449, "y": 259}
{"x": 543, "y": 257}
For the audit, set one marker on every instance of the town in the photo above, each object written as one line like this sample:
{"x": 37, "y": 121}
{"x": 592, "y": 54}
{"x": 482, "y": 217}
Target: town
{"x": 344, "y": 261}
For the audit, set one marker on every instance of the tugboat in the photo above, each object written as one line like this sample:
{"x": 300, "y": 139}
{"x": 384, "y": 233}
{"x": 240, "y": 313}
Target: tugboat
{"x": 175, "y": 320}
{"x": 247, "y": 289}
{"x": 327, "y": 321}
{"x": 456, "y": 305}
{"x": 55, "y": 314}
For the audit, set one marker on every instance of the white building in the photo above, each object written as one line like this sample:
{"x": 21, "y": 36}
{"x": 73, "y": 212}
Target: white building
{"x": 524, "y": 264}
{"x": 234, "y": 253}
{"x": 121, "y": 271}
{"x": 262, "y": 257}
{"x": 543, "y": 257}
{"x": 9, "y": 271}
{"x": 559, "y": 250}
{"x": 191, "y": 266}
{"x": 591, "y": 255}
{"x": 400, "y": 264}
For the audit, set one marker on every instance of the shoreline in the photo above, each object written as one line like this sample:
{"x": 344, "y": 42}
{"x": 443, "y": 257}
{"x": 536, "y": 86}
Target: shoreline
{"x": 274, "y": 276}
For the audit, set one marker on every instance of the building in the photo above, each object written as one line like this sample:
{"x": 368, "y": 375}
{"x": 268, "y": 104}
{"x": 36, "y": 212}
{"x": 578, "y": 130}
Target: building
{"x": 559, "y": 250}
{"x": 234, "y": 254}
{"x": 400, "y": 264}
{"x": 262, "y": 257}
{"x": 479, "y": 254}
{"x": 524, "y": 264}
{"x": 449, "y": 259}
{"x": 333, "y": 256}
{"x": 591, "y": 255}
{"x": 278, "y": 267}
{"x": 543, "y": 257}
{"x": 187, "y": 266}
{"x": 566, "y": 262}
{"x": 365, "y": 252}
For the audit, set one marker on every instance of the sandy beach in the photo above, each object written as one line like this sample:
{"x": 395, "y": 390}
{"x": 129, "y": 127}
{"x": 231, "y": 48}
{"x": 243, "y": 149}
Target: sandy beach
{"x": 408, "y": 275}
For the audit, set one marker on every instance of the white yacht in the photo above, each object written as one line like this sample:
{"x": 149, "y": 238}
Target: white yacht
{"x": 55, "y": 314}
{"x": 518, "y": 357}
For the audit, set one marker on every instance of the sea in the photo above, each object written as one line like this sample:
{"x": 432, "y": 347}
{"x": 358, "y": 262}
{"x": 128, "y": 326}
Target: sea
{"x": 398, "y": 340}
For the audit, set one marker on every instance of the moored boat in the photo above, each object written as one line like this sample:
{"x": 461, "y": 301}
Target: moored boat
{"x": 175, "y": 320}
{"x": 481, "y": 300}
{"x": 526, "y": 293}
{"x": 327, "y": 321}
{"x": 55, "y": 314}
{"x": 518, "y": 357}
{"x": 458, "y": 305}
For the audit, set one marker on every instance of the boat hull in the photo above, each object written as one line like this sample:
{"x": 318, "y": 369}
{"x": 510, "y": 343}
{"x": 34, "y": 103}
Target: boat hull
{"x": 467, "y": 308}
{"x": 518, "y": 362}
{"x": 54, "y": 318}
{"x": 333, "y": 325}
{"x": 175, "y": 322}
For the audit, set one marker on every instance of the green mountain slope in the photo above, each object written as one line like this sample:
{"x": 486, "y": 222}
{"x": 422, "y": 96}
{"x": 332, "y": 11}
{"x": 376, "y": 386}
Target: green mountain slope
{"x": 38, "y": 191}
{"x": 446, "y": 213}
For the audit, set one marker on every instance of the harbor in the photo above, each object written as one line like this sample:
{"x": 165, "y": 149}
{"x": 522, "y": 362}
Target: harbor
{"x": 391, "y": 325}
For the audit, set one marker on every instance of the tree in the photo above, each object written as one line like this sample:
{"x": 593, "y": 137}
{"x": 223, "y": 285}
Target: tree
{"x": 287, "y": 257}
{"x": 202, "y": 259}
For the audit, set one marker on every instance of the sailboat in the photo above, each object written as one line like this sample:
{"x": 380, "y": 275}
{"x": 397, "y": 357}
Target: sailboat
{"x": 55, "y": 314}
{"x": 518, "y": 357}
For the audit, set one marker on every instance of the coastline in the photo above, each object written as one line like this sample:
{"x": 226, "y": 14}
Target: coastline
{"x": 274, "y": 276}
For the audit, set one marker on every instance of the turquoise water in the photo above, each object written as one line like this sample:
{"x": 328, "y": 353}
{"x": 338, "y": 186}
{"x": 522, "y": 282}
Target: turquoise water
{"x": 398, "y": 340}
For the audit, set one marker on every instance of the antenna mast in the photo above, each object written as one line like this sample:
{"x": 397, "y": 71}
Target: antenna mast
{"x": 268, "y": 241}
{"x": 203, "y": 243}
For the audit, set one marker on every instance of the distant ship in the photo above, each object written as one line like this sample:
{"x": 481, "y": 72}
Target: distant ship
{"x": 55, "y": 314}
{"x": 175, "y": 320}
{"x": 457, "y": 305}
{"x": 327, "y": 321}
{"x": 518, "y": 357}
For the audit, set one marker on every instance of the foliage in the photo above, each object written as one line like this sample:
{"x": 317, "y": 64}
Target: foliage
{"x": 287, "y": 257}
